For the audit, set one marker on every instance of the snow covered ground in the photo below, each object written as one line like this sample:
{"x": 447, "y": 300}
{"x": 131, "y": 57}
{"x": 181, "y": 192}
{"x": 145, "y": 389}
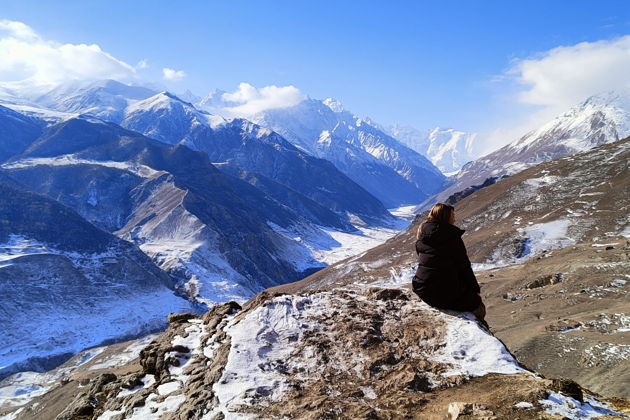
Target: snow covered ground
{"x": 21, "y": 388}
{"x": 308, "y": 248}
{"x": 68, "y": 160}
{"x": 90, "y": 308}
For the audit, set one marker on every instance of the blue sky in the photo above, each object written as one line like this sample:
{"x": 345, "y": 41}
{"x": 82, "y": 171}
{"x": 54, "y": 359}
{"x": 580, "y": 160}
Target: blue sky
{"x": 442, "y": 63}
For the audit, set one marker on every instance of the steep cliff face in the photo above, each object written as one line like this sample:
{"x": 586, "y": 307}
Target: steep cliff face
{"x": 355, "y": 353}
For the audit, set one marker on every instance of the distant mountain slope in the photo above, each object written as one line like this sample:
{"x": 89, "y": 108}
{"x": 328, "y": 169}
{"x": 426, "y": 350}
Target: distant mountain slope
{"x": 66, "y": 285}
{"x": 240, "y": 145}
{"x": 17, "y": 132}
{"x": 448, "y": 149}
{"x": 600, "y": 119}
{"x": 359, "y": 148}
{"x": 552, "y": 205}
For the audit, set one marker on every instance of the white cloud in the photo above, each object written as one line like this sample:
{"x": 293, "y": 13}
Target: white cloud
{"x": 26, "y": 59}
{"x": 172, "y": 75}
{"x": 142, "y": 64}
{"x": 563, "y": 76}
{"x": 551, "y": 82}
{"x": 248, "y": 100}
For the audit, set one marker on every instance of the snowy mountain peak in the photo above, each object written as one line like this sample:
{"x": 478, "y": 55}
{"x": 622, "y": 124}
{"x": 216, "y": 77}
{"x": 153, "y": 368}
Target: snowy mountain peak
{"x": 333, "y": 104}
{"x": 620, "y": 98}
{"x": 600, "y": 119}
{"x": 165, "y": 116}
{"x": 213, "y": 100}
{"x": 448, "y": 149}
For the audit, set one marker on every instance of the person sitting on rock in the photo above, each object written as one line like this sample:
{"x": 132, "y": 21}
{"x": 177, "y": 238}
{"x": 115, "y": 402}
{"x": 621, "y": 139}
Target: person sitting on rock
{"x": 444, "y": 278}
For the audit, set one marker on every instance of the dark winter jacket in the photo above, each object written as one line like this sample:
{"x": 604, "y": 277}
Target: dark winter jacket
{"x": 444, "y": 278}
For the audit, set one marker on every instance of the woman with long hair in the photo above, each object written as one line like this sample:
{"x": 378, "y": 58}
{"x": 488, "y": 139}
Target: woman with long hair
{"x": 444, "y": 278}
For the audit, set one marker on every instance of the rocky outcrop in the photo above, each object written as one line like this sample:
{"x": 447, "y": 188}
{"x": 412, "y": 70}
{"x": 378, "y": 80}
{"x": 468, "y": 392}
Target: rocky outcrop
{"x": 365, "y": 353}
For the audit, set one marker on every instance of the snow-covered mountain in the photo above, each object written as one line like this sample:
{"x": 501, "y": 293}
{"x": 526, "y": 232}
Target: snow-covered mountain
{"x": 448, "y": 149}
{"x": 66, "y": 285}
{"x": 358, "y": 147}
{"x": 600, "y": 119}
{"x": 105, "y": 99}
{"x": 243, "y": 149}
{"x": 207, "y": 235}
{"x": 249, "y": 151}
{"x": 212, "y": 231}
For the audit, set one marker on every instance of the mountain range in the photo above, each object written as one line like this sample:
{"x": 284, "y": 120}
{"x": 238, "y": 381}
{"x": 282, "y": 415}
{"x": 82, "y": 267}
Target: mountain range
{"x": 358, "y": 147}
{"x": 600, "y": 119}
{"x": 221, "y": 208}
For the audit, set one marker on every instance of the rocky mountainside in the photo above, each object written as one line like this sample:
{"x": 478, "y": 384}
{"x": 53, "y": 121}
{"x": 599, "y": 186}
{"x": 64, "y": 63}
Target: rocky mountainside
{"x": 555, "y": 239}
{"x": 307, "y": 184}
{"x": 252, "y": 152}
{"x": 209, "y": 229}
{"x": 448, "y": 149}
{"x": 358, "y": 353}
{"x": 358, "y": 147}
{"x": 59, "y": 276}
{"x": 600, "y": 119}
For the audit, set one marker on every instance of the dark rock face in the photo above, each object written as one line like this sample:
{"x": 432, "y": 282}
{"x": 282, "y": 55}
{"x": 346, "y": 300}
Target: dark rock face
{"x": 469, "y": 190}
{"x": 568, "y": 387}
{"x": 27, "y": 214}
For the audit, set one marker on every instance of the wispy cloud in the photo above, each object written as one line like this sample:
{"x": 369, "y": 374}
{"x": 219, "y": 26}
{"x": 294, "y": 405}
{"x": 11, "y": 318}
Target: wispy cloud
{"x": 565, "y": 75}
{"x": 172, "y": 75}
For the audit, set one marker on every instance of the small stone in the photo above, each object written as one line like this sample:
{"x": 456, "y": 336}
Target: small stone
{"x": 569, "y": 388}
{"x": 456, "y": 409}
{"x": 182, "y": 317}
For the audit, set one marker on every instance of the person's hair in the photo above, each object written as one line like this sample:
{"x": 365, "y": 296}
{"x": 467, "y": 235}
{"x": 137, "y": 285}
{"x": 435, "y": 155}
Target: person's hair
{"x": 440, "y": 213}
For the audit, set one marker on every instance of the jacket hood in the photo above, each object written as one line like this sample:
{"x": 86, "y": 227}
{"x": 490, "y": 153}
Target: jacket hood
{"x": 435, "y": 232}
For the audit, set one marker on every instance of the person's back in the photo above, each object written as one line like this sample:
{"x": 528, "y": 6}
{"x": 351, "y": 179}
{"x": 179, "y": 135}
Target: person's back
{"x": 444, "y": 278}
